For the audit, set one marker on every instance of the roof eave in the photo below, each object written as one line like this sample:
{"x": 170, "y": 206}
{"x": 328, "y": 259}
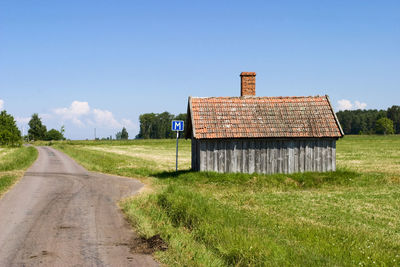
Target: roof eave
{"x": 190, "y": 132}
{"x": 334, "y": 114}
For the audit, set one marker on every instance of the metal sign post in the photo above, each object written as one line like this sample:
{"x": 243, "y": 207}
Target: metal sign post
{"x": 176, "y": 162}
{"x": 178, "y": 127}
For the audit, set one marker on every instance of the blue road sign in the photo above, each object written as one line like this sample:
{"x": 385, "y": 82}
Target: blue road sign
{"x": 177, "y": 125}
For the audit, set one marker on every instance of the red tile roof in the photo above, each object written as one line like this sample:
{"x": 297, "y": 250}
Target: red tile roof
{"x": 261, "y": 117}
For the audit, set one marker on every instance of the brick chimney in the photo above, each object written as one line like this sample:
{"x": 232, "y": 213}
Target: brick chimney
{"x": 248, "y": 84}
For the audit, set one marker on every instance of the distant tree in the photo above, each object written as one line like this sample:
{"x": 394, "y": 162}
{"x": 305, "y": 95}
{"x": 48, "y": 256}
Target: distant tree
{"x": 384, "y": 126}
{"x": 359, "y": 121}
{"x": 157, "y": 125}
{"x": 10, "y": 135}
{"x": 393, "y": 113}
{"x": 146, "y": 125}
{"x": 124, "y": 134}
{"x": 118, "y": 136}
{"x": 164, "y": 129}
{"x": 37, "y": 130}
{"x": 53, "y": 135}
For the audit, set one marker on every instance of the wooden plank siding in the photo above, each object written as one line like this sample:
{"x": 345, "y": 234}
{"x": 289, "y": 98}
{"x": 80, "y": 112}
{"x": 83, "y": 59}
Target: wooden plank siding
{"x": 264, "y": 155}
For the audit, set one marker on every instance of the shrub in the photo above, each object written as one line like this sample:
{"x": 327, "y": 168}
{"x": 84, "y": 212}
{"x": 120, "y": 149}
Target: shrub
{"x": 53, "y": 135}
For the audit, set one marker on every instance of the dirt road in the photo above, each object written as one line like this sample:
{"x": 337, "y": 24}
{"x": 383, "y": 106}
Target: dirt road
{"x": 59, "y": 214}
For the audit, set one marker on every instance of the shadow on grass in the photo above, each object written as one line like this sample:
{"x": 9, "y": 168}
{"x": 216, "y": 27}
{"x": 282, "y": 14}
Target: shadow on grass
{"x": 295, "y": 180}
{"x": 171, "y": 174}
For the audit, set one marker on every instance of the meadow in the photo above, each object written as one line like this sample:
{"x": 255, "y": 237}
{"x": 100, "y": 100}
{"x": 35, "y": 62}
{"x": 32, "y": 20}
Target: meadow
{"x": 13, "y": 163}
{"x": 348, "y": 217}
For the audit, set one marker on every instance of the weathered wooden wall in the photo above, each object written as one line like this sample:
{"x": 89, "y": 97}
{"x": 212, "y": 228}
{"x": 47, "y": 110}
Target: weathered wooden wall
{"x": 264, "y": 155}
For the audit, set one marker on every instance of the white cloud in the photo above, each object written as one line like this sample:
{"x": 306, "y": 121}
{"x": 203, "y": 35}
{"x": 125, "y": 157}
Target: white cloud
{"x": 105, "y": 118}
{"x": 80, "y": 108}
{"x": 76, "y": 109}
{"x": 345, "y": 104}
{"x": 90, "y": 122}
{"x": 81, "y": 114}
{"x": 359, "y": 105}
{"x": 1, "y": 104}
{"x": 74, "y": 112}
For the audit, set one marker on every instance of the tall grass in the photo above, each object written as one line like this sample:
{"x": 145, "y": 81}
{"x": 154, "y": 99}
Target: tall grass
{"x": 19, "y": 158}
{"x": 242, "y": 237}
{"x": 13, "y": 162}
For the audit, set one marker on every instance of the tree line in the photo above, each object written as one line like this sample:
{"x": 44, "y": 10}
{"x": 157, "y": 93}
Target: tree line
{"x": 38, "y": 131}
{"x": 158, "y": 125}
{"x": 370, "y": 121}
{"x": 10, "y": 135}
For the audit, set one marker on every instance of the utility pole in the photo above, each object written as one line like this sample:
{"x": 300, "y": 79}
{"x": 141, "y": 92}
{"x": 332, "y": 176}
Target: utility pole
{"x": 95, "y": 134}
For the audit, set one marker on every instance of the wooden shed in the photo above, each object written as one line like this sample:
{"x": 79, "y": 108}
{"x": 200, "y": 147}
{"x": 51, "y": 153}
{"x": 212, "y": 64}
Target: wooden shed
{"x": 262, "y": 134}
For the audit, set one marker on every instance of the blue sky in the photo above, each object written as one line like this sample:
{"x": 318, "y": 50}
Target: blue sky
{"x": 100, "y": 64}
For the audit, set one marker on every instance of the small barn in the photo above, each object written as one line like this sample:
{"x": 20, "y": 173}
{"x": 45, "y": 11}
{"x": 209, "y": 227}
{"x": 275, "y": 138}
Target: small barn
{"x": 262, "y": 134}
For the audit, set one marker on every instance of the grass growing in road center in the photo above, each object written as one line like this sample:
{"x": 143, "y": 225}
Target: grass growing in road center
{"x": 348, "y": 217}
{"x": 13, "y": 163}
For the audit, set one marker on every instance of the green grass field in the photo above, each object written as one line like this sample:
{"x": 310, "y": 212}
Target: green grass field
{"x": 344, "y": 218}
{"x": 13, "y": 163}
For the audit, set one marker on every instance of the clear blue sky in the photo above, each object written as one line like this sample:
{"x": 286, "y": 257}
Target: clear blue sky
{"x": 125, "y": 58}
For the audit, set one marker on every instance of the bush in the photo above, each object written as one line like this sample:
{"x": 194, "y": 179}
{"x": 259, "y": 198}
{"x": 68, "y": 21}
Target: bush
{"x": 53, "y": 135}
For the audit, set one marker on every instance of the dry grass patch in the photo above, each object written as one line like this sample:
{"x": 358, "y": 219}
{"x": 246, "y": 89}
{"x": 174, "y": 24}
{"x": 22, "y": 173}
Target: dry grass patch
{"x": 165, "y": 158}
{"x": 5, "y": 151}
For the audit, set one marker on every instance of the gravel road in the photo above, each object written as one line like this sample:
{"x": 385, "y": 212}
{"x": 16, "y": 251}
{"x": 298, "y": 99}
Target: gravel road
{"x": 59, "y": 214}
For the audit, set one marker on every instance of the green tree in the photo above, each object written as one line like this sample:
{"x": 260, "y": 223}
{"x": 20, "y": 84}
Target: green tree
{"x": 118, "y": 136}
{"x": 146, "y": 121}
{"x": 37, "y": 130}
{"x": 53, "y": 134}
{"x": 359, "y": 121}
{"x": 393, "y": 113}
{"x": 10, "y": 135}
{"x": 124, "y": 134}
{"x": 158, "y": 125}
{"x": 384, "y": 126}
